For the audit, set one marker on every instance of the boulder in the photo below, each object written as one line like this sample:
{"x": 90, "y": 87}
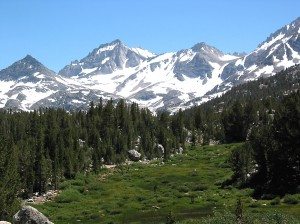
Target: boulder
{"x": 4, "y": 222}
{"x": 213, "y": 142}
{"x": 180, "y": 150}
{"x": 160, "y": 150}
{"x": 134, "y": 155}
{"x": 30, "y": 215}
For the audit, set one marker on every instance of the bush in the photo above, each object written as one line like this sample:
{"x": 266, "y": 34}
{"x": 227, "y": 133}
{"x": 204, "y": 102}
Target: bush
{"x": 200, "y": 187}
{"x": 290, "y": 199}
{"x": 64, "y": 185}
{"x": 183, "y": 189}
{"x": 69, "y": 195}
{"x": 275, "y": 201}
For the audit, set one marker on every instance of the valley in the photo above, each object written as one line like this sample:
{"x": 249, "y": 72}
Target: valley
{"x": 188, "y": 185}
{"x": 96, "y": 129}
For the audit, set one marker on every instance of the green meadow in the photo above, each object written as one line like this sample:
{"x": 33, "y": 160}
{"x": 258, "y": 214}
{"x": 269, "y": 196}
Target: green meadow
{"x": 187, "y": 187}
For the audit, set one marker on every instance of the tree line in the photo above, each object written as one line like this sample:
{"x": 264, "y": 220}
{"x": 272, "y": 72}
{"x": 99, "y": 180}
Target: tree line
{"x": 40, "y": 149}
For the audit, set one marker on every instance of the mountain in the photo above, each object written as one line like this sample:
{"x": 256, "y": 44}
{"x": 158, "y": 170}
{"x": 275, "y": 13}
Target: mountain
{"x": 27, "y": 68}
{"x": 155, "y": 81}
{"x": 169, "y": 81}
{"x": 279, "y": 51}
{"x": 106, "y": 59}
{"x": 27, "y": 84}
{"x": 276, "y": 87}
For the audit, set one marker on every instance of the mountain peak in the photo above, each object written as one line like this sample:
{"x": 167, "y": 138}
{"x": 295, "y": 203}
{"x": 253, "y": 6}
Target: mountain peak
{"x": 287, "y": 31}
{"x": 27, "y": 66}
{"x": 205, "y": 48}
{"x": 116, "y": 41}
{"x": 30, "y": 60}
{"x": 199, "y": 46}
{"x": 28, "y": 56}
{"x": 297, "y": 20}
{"x": 295, "y": 25}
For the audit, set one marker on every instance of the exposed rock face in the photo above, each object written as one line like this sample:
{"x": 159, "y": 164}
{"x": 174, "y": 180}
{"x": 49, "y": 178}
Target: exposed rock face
{"x": 134, "y": 155}
{"x": 30, "y": 215}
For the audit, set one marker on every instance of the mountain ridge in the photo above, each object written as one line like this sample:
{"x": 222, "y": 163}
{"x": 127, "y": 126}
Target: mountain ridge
{"x": 169, "y": 81}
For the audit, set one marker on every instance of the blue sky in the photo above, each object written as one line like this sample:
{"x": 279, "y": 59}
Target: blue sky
{"x": 59, "y": 31}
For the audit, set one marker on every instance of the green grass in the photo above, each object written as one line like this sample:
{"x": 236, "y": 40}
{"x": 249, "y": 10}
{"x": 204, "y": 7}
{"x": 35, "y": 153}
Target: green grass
{"x": 187, "y": 185}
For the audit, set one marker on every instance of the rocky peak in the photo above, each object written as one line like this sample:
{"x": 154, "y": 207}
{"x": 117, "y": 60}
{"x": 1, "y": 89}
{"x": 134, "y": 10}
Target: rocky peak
{"x": 287, "y": 32}
{"x": 24, "y": 68}
{"x": 105, "y": 59}
{"x": 202, "y": 47}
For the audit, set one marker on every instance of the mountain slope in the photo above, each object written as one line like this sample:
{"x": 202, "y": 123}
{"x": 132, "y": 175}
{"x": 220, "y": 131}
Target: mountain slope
{"x": 278, "y": 52}
{"x": 154, "y": 81}
{"x": 27, "y": 85}
{"x": 281, "y": 84}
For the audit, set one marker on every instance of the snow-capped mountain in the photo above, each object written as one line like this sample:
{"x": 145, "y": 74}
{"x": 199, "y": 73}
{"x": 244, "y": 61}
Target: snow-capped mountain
{"x": 279, "y": 51}
{"x": 27, "y": 85}
{"x": 161, "y": 81}
{"x": 106, "y": 59}
{"x": 166, "y": 81}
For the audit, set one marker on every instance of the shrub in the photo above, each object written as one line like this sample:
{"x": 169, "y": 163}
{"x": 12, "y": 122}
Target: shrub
{"x": 64, "y": 185}
{"x": 183, "y": 189}
{"x": 275, "y": 201}
{"x": 200, "y": 187}
{"x": 68, "y": 195}
{"x": 290, "y": 199}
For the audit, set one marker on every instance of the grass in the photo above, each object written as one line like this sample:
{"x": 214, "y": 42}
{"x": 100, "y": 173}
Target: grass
{"x": 187, "y": 185}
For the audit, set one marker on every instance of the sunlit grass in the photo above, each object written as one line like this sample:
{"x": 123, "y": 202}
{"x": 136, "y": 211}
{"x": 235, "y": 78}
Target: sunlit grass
{"x": 188, "y": 185}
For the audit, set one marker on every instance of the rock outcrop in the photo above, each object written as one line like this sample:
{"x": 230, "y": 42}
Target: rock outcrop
{"x": 30, "y": 215}
{"x": 134, "y": 155}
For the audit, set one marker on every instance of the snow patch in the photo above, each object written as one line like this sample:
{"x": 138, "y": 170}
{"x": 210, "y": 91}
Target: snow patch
{"x": 88, "y": 70}
{"x": 106, "y": 48}
{"x": 77, "y": 101}
{"x": 271, "y": 42}
{"x": 105, "y": 60}
{"x": 228, "y": 57}
{"x": 252, "y": 68}
{"x": 144, "y": 53}
{"x": 265, "y": 70}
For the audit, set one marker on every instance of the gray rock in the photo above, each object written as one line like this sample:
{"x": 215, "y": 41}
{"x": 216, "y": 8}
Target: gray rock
{"x": 30, "y": 215}
{"x": 213, "y": 142}
{"x": 134, "y": 155}
{"x": 160, "y": 150}
{"x": 4, "y": 222}
{"x": 180, "y": 150}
